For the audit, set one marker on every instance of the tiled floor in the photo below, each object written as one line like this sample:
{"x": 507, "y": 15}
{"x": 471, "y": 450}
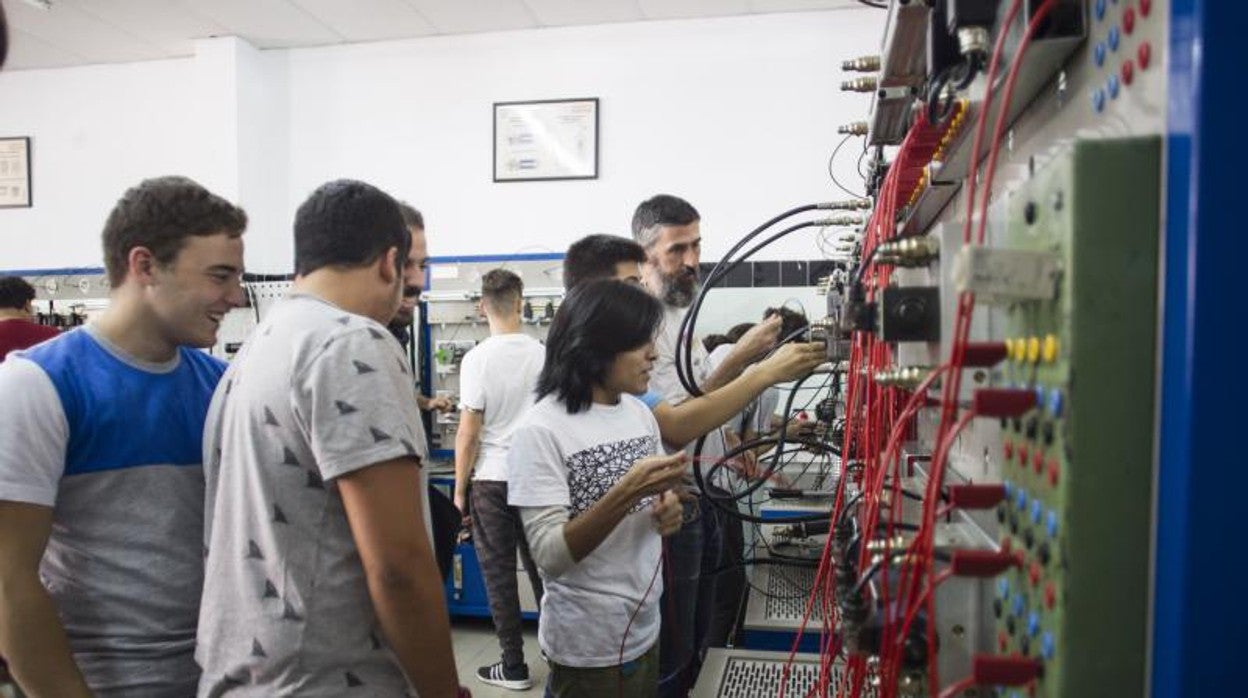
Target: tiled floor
{"x": 476, "y": 645}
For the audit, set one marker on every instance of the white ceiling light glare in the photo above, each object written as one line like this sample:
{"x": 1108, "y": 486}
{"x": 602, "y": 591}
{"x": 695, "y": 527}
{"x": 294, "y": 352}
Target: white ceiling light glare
{"x": 44, "y": 5}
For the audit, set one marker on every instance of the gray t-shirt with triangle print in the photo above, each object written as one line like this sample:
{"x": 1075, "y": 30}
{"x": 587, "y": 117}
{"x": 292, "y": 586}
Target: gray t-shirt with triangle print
{"x": 314, "y": 394}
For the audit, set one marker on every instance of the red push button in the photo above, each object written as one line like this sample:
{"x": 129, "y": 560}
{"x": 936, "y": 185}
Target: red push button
{"x": 1037, "y": 461}
{"x": 1034, "y": 572}
{"x": 1144, "y": 54}
{"x": 1022, "y": 455}
{"x": 1050, "y": 596}
{"x": 1146, "y": 6}
{"x": 1055, "y": 469}
{"x": 1128, "y": 20}
{"x": 1003, "y": 641}
{"x": 1128, "y": 72}
{"x": 1008, "y": 448}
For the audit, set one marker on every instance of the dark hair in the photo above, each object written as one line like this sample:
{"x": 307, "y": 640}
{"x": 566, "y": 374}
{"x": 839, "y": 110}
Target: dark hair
{"x": 160, "y": 214}
{"x": 712, "y": 341}
{"x": 598, "y": 320}
{"x": 500, "y": 287}
{"x": 658, "y": 211}
{"x": 596, "y": 256}
{"x": 411, "y": 217}
{"x": 348, "y": 223}
{"x": 15, "y": 292}
{"x": 791, "y": 322}
{"x": 736, "y": 332}
{"x": 4, "y": 37}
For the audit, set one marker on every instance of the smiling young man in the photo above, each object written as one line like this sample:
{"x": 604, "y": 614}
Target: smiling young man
{"x": 101, "y": 479}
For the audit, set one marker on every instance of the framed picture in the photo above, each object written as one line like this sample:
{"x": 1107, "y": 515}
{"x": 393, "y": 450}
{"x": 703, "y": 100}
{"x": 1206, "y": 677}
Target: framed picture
{"x": 15, "y": 172}
{"x": 546, "y": 140}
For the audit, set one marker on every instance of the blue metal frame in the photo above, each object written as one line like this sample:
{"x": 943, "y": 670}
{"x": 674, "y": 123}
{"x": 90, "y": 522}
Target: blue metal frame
{"x": 64, "y": 271}
{"x": 1198, "y": 612}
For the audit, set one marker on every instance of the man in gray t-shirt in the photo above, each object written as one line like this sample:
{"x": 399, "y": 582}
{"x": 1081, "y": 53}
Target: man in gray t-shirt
{"x": 320, "y": 575}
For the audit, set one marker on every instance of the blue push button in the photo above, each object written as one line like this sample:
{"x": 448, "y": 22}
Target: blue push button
{"x": 1020, "y": 499}
{"x": 1113, "y": 87}
{"x": 1003, "y": 588}
{"x": 1033, "y": 624}
{"x": 1056, "y": 401}
{"x": 1037, "y": 511}
{"x": 1100, "y": 9}
{"x": 1048, "y": 647}
{"x": 1115, "y": 38}
{"x": 1051, "y": 524}
{"x": 1098, "y": 100}
{"x": 1040, "y": 397}
{"x": 1009, "y": 489}
{"x": 1098, "y": 53}
{"x": 1017, "y": 605}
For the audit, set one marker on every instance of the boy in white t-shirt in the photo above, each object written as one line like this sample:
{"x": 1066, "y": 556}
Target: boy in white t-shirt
{"x": 497, "y": 385}
{"x": 594, "y": 495}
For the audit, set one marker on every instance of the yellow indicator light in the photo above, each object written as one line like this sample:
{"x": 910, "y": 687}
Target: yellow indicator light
{"x": 1050, "y": 349}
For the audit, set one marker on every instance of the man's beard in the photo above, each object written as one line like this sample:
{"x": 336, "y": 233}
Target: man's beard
{"x": 679, "y": 288}
{"x": 404, "y": 315}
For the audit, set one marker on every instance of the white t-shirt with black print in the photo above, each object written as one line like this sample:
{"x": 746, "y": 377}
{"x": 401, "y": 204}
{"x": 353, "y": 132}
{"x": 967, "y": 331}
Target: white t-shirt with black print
{"x": 571, "y": 460}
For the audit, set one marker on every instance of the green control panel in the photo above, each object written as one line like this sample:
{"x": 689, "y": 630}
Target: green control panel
{"x": 1077, "y": 468}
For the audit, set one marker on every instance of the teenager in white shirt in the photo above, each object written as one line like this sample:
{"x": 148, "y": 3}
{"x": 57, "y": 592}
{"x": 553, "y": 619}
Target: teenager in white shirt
{"x": 594, "y": 494}
{"x": 497, "y": 385}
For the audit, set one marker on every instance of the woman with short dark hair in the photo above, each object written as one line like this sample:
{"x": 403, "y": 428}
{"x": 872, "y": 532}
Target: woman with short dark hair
{"x": 594, "y": 494}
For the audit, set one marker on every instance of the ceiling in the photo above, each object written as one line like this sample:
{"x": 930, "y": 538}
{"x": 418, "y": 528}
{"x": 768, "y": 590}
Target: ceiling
{"x": 78, "y": 32}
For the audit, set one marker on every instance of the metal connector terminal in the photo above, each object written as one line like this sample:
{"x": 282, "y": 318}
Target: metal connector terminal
{"x": 861, "y": 64}
{"x": 865, "y": 84}
{"x": 882, "y": 544}
{"x": 974, "y": 40}
{"x": 846, "y": 205}
{"x": 854, "y": 128}
{"x": 909, "y": 252}
{"x": 841, "y": 220}
{"x": 904, "y": 377}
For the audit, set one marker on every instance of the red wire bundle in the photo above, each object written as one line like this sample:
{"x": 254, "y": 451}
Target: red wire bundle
{"x": 876, "y": 423}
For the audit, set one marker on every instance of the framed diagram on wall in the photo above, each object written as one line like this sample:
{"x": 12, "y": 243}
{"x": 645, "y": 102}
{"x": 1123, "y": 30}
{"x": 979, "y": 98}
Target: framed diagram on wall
{"x": 15, "y": 172}
{"x": 546, "y": 140}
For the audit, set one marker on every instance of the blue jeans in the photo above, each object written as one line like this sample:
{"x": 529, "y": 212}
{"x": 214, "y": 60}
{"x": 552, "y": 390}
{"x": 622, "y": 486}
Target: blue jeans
{"x": 688, "y": 601}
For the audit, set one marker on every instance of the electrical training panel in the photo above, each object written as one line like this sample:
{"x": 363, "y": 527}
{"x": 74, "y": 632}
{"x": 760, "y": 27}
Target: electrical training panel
{"x": 983, "y": 525}
{"x": 454, "y": 323}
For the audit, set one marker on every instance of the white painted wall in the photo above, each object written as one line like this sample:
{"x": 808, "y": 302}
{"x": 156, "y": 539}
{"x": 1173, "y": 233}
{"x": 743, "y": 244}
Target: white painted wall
{"x": 738, "y": 115}
{"x": 95, "y": 131}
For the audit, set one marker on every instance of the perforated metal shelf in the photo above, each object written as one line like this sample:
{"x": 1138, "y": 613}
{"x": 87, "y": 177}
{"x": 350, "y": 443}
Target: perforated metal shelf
{"x": 754, "y": 674}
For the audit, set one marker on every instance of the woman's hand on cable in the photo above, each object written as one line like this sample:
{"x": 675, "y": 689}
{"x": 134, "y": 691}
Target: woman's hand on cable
{"x": 792, "y": 361}
{"x": 654, "y": 474}
{"x": 668, "y": 513}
